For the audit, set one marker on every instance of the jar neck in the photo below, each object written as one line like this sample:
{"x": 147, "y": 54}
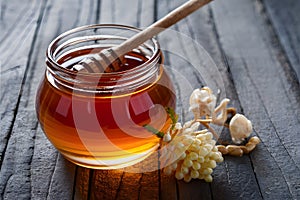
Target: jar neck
{"x": 93, "y": 37}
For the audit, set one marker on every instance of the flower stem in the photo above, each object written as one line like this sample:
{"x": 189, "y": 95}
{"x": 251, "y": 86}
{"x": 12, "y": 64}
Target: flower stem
{"x": 154, "y": 131}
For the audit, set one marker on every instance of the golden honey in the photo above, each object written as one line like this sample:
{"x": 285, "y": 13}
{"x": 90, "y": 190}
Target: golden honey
{"x": 97, "y": 120}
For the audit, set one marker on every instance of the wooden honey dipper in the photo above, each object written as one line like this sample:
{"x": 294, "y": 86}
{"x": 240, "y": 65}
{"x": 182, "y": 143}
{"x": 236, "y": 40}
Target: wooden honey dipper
{"x": 105, "y": 61}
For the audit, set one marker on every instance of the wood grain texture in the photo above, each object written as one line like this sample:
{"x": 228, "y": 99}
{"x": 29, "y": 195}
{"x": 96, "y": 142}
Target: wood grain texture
{"x": 255, "y": 45}
{"x": 118, "y": 12}
{"x": 82, "y": 181}
{"x": 105, "y": 184}
{"x": 62, "y": 180}
{"x": 286, "y": 22}
{"x": 58, "y": 182}
{"x": 259, "y": 77}
{"x": 17, "y": 35}
{"x": 15, "y": 169}
{"x": 137, "y": 13}
{"x": 200, "y": 27}
{"x": 31, "y": 167}
{"x": 43, "y": 164}
{"x": 126, "y": 183}
{"x": 178, "y": 46}
{"x": 18, "y": 127}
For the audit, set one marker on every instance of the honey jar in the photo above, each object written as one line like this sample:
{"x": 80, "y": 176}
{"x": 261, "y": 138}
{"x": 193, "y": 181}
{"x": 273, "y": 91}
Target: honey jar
{"x": 98, "y": 120}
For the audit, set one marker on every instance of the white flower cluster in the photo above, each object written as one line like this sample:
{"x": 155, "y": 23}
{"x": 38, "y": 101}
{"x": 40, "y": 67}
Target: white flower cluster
{"x": 191, "y": 154}
{"x": 203, "y": 105}
{"x": 202, "y": 102}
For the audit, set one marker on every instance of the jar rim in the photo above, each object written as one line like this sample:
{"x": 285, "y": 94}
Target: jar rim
{"x": 52, "y": 46}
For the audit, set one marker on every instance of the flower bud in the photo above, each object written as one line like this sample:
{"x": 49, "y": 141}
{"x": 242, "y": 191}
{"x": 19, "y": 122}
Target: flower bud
{"x": 202, "y": 102}
{"x": 240, "y": 128}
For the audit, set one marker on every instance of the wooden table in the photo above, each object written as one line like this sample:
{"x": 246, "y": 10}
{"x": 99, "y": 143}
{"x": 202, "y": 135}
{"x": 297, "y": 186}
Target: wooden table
{"x": 256, "y": 47}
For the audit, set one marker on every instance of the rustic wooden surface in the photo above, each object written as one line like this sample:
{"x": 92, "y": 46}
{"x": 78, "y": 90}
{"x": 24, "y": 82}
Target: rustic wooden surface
{"x": 255, "y": 45}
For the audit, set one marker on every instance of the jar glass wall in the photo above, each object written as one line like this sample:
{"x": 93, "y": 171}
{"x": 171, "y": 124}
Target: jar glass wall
{"x": 97, "y": 120}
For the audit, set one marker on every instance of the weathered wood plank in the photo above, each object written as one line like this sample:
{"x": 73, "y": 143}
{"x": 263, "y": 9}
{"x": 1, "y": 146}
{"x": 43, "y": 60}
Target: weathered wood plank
{"x": 168, "y": 187}
{"x": 126, "y": 183}
{"x": 147, "y": 13}
{"x": 284, "y": 16}
{"x": 129, "y": 186}
{"x": 17, "y": 34}
{"x": 105, "y": 184}
{"x": 136, "y": 13}
{"x": 58, "y": 182}
{"x": 17, "y": 142}
{"x": 82, "y": 183}
{"x": 149, "y": 185}
{"x": 266, "y": 94}
{"x": 62, "y": 180}
{"x": 186, "y": 78}
{"x": 118, "y": 12}
{"x": 200, "y": 28}
{"x": 30, "y": 162}
{"x": 42, "y": 166}
{"x": 141, "y": 181}
{"x": 15, "y": 169}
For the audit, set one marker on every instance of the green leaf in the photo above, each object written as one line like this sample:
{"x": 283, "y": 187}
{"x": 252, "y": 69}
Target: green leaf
{"x": 173, "y": 116}
{"x": 154, "y": 131}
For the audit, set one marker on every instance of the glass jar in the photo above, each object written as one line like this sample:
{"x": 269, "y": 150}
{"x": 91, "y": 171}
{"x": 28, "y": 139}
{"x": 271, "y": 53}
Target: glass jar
{"x": 97, "y": 120}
